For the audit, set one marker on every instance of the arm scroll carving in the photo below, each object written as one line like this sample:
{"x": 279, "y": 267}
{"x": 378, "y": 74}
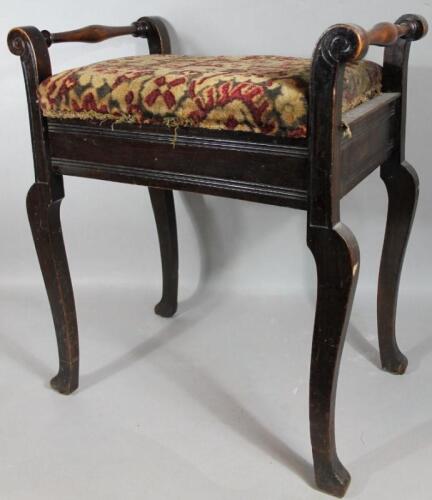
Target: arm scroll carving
{"x": 343, "y": 43}
{"x": 340, "y": 44}
{"x": 28, "y": 43}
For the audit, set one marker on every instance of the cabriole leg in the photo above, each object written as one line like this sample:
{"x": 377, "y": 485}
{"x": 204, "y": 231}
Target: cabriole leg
{"x": 402, "y": 187}
{"x": 337, "y": 259}
{"x": 164, "y": 212}
{"x": 43, "y": 207}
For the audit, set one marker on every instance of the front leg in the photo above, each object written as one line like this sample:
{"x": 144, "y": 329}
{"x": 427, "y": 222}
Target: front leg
{"x": 402, "y": 187}
{"x": 337, "y": 259}
{"x": 43, "y": 207}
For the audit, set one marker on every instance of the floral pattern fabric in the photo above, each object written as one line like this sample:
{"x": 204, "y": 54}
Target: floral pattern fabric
{"x": 262, "y": 94}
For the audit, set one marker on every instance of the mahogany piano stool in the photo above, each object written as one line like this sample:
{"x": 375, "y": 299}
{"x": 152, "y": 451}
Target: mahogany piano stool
{"x": 299, "y": 133}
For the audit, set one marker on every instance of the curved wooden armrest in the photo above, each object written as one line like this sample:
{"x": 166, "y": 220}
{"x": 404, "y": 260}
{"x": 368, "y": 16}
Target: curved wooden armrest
{"x": 152, "y": 28}
{"x": 385, "y": 34}
{"x": 33, "y": 44}
{"x": 96, "y": 33}
{"x": 349, "y": 42}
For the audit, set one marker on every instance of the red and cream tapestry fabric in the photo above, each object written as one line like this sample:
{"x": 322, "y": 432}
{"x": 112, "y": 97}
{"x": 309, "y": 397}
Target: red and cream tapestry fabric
{"x": 262, "y": 94}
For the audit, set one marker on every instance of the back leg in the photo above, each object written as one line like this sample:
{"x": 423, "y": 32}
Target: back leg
{"x": 164, "y": 211}
{"x": 402, "y": 186}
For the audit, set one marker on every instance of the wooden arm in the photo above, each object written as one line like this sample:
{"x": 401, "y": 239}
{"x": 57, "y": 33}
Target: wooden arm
{"x": 349, "y": 42}
{"x": 94, "y": 33}
{"x": 151, "y": 28}
{"x": 339, "y": 45}
{"x": 386, "y": 34}
{"x": 31, "y": 45}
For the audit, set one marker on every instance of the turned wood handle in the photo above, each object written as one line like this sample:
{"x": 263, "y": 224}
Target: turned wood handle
{"x": 386, "y": 34}
{"x": 349, "y": 42}
{"x": 96, "y": 33}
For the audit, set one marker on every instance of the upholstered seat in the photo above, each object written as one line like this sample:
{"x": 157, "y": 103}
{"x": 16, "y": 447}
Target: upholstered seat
{"x": 261, "y": 94}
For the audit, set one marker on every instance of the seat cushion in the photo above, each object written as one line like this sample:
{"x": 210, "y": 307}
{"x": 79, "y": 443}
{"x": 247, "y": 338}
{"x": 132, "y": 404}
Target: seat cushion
{"x": 261, "y": 94}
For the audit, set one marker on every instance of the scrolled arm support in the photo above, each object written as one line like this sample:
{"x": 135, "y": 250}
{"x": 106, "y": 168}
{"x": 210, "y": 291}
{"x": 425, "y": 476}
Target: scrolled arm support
{"x": 341, "y": 44}
{"x": 344, "y": 43}
{"x": 31, "y": 45}
{"x": 28, "y": 43}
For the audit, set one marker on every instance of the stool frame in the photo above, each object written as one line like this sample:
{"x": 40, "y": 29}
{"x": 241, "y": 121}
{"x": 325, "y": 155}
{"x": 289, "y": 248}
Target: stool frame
{"x": 310, "y": 174}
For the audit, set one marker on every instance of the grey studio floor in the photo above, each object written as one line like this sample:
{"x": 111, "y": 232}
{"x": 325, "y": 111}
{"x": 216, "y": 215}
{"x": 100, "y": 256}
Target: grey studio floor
{"x": 211, "y": 404}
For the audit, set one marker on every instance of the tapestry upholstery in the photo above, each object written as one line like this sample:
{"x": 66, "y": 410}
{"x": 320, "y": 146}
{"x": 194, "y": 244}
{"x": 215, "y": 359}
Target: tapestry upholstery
{"x": 261, "y": 94}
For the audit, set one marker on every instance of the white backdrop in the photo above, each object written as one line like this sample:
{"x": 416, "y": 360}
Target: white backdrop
{"x": 109, "y": 229}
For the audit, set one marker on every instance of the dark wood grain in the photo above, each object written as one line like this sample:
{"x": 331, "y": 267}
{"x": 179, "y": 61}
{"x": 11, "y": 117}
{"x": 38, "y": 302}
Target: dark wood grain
{"x": 371, "y": 138}
{"x": 211, "y": 163}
